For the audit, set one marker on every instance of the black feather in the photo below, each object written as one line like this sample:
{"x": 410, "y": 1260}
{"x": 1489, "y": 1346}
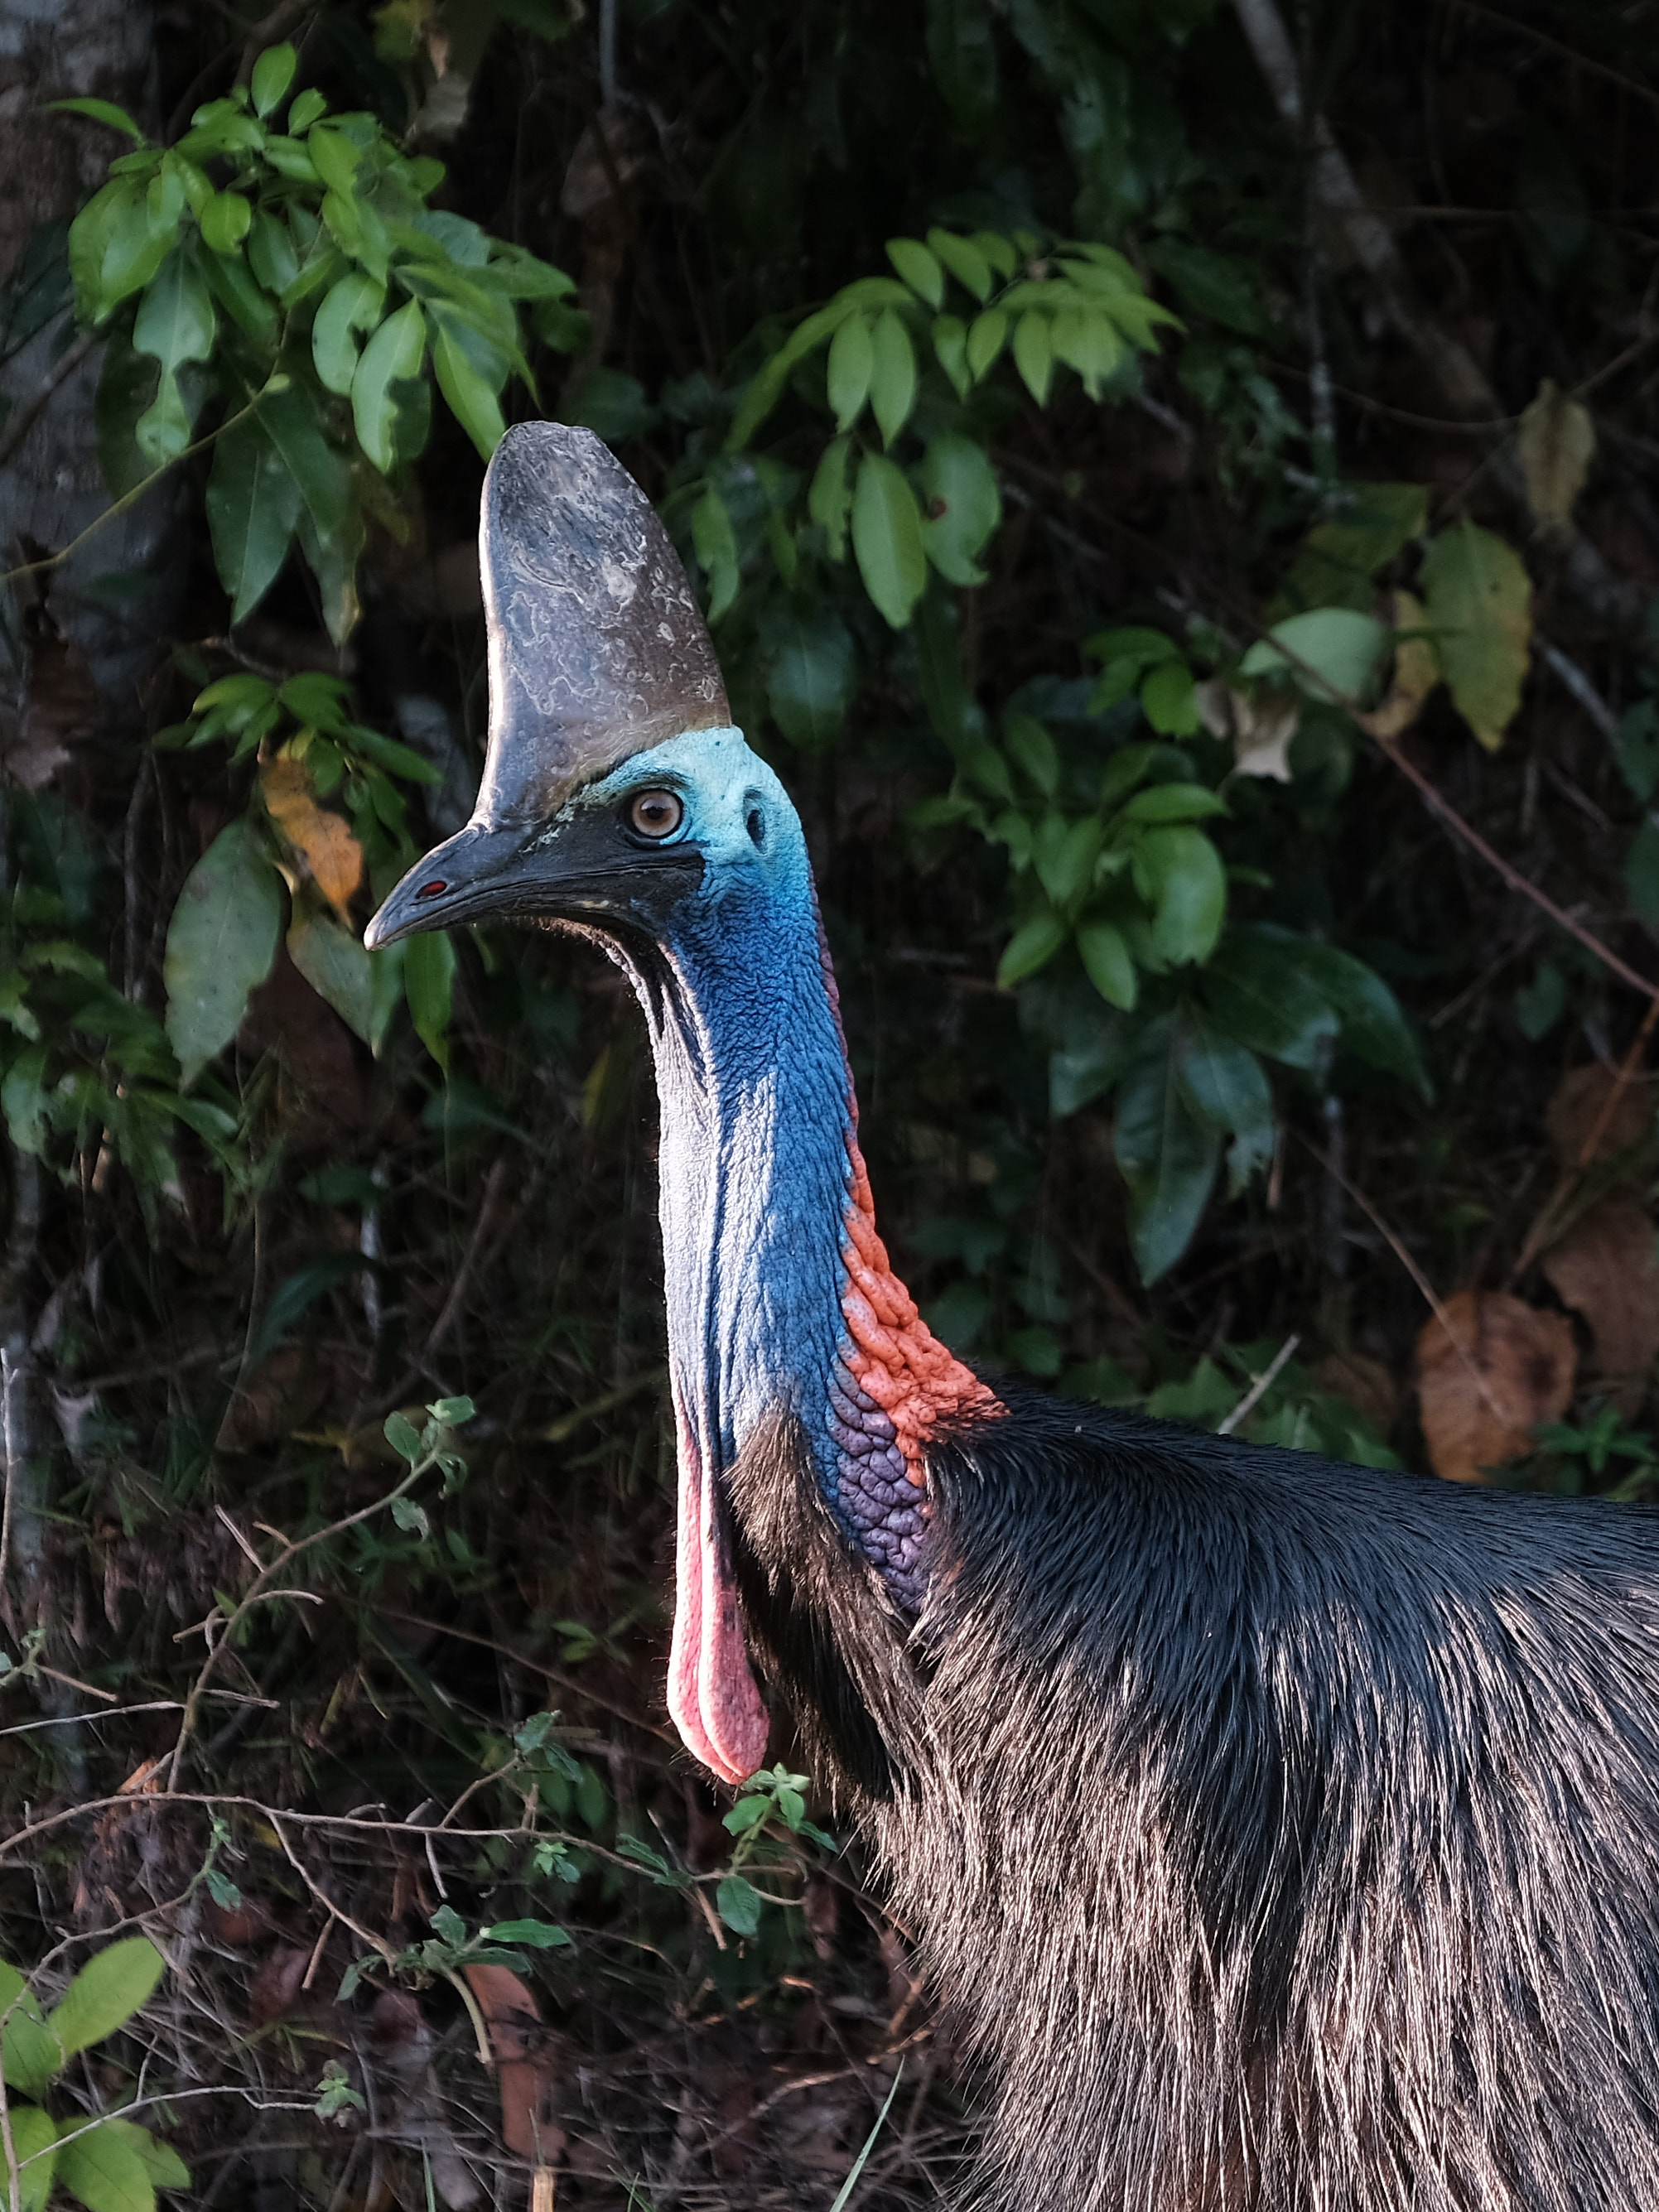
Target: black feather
{"x": 1280, "y": 1833}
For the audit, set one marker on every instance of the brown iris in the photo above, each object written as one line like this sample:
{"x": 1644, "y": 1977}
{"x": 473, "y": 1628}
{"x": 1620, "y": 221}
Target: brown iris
{"x": 655, "y": 813}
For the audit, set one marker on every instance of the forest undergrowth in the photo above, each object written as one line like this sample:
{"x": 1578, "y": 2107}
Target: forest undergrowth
{"x": 1175, "y": 489}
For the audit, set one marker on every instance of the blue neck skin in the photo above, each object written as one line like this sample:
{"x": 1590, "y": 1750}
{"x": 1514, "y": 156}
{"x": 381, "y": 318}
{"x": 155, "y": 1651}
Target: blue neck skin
{"x": 756, "y": 1104}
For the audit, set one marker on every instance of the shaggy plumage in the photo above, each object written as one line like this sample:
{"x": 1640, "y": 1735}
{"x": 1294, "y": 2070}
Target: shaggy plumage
{"x": 1281, "y": 1835}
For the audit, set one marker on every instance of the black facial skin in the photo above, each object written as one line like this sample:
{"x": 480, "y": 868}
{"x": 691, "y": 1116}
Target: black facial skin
{"x": 593, "y": 868}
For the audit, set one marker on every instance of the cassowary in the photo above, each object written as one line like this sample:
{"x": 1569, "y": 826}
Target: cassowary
{"x": 1279, "y": 1834}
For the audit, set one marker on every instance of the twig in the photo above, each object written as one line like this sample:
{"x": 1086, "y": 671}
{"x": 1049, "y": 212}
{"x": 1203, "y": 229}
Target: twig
{"x": 29, "y": 411}
{"x": 1449, "y": 814}
{"x": 1259, "y": 1389}
{"x": 1543, "y": 1227}
{"x": 129, "y": 499}
{"x": 260, "y": 1588}
{"x": 1572, "y": 677}
{"x": 1398, "y": 1249}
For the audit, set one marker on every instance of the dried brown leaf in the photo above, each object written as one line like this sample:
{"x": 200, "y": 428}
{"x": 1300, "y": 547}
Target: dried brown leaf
{"x": 1504, "y": 1368}
{"x": 1556, "y": 443}
{"x": 332, "y": 856}
{"x": 1605, "y": 1268}
{"x": 526, "y": 2055}
{"x": 1364, "y": 1384}
{"x": 1258, "y": 730}
{"x": 1576, "y": 1106}
{"x": 1413, "y": 676}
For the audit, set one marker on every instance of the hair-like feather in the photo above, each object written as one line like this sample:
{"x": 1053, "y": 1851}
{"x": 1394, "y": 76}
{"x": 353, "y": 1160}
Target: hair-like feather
{"x": 1279, "y": 1833}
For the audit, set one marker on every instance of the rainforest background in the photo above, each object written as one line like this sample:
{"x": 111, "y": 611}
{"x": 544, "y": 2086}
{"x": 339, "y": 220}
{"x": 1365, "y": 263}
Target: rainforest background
{"x": 1176, "y": 489}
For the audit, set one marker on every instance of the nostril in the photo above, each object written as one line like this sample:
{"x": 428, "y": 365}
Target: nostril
{"x": 432, "y": 889}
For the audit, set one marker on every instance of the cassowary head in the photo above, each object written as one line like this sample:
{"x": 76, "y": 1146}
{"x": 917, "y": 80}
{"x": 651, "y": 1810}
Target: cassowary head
{"x": 616, "y": 796}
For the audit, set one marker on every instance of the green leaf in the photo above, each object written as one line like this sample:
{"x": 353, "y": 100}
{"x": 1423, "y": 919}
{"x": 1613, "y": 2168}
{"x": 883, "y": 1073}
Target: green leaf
{"x": 847, "y": 371}
{"x": 273, "y": 73}
{"x": 176, "y": 323}
{"x": 270, "y": 252}
{"x": 1478, "y": 599}
{"x": 222, "y": 942}
{"x": 950, "y": 351}
{"x": 34, "y": 2137}
{"x": 1168, "y": 1156}
{"x": 166, "y": 2169}
{"x": 352, "y": 303}
{"x": 404, "y": 1437}
{"x": 336, "y": 967}
{"x": 1339, "y": 557}
{"x": 1088, "y": 340}
{"x": 964, "y": 506}
{"x": 1327, "y": 650}
{"x": 1218, "y": 286}
{"x": 30, "y": 2053}
{"x": 99, "y": 110}
{"x": 1266, "y": 1002}
{"x": 412, "y": 1518}
{"x": 126, "y": 387}
{"x": 716, "y": 544}
{"x": 534, "y": 1935}
{"x": 739, "y": 1904}
{"x": 1034, "y": 353}
{"x": 1174, "y": 802}
{"x": 103, "y": 2170}
{"x": 830, "y": 499}
{"x": 225, "y": 221}
{"x": 1032, "y": 945}
{"x": 1106, "y": 960}
{"x": 813, "y": 673}
{"x": 1179, "y": 873}
{"x": 1032, "y": 748}
{"x": 1373, "y": 1025}
{"x": 919, "y": 268}
{"x": 253, "y": 505}
{"x": 887, "y": 539}
{"x": 892, "y": 374}
{"x": 393, "y": 355}
{"x": 133, "y": 250}
{"x": 430, "y": 985}
{"x": 964, "y": 261}
{"x": 109, "y": 1988}
{"x": 1228, "y": 1093}
{"x": 464, "y": 383}
{"x": 306, "y": 109}
{"x": 1169, "y": 700}
{"x": 987, "y": 336}
{"x": 23, "y": 1100}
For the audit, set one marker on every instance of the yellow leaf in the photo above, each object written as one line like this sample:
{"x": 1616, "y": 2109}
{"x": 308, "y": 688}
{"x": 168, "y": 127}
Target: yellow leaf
{"x": 1558, "y": 444}
{"x": 1478, "y": 604}
{"x": 1414, "y": 675}
{"x": 321, "y": 839}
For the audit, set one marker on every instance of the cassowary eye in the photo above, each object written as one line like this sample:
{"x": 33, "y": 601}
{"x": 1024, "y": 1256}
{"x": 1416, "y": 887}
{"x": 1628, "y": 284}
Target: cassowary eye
{"x": 655, "y": 813}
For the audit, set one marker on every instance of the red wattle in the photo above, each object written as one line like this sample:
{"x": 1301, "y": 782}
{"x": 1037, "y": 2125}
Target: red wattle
{"x": 711, "y": 1690}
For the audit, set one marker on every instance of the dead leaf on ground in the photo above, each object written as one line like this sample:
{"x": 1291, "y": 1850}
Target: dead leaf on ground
{"x": 1605, "y": 1267}
{"x": 1506, "y": 1367}
{"x": 1413, "y": 676}
{"x": 1556, "y": 443}
{"x": 526, "y": 2057}
{"x": 1260, "y": 730}
{"x": 1576, "y": 1108}
{"x": 276, "y": 1986}
{"x": 1364, "y": 1384}
{"x": 332, "y": 856}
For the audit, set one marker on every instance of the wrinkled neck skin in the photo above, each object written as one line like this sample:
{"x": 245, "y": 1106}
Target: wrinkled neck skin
{"x": 780, "y": 1298}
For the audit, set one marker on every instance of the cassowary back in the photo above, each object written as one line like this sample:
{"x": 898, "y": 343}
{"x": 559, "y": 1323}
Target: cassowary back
{"x": 1280, "y": 1833}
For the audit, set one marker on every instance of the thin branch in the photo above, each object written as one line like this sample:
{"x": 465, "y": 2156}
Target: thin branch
{"x": 1259, "y": 1389}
